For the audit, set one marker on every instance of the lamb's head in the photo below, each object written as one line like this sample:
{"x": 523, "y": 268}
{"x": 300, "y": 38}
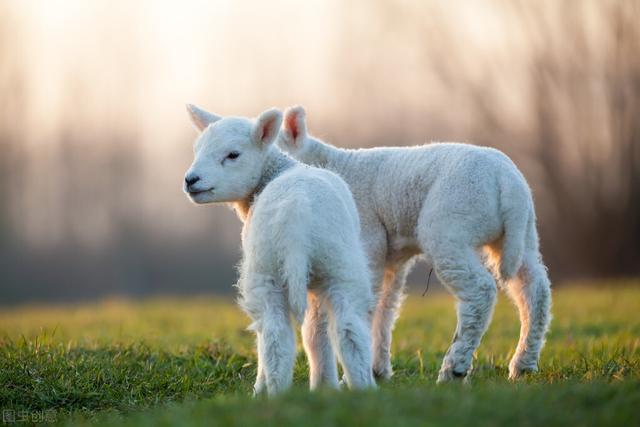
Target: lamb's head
{"x": 293, "y": 135}
{"x": 229, "y": 155}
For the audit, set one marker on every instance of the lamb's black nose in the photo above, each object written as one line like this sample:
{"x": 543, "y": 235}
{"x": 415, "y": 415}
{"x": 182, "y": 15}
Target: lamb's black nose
{"x": 190, "y": 180}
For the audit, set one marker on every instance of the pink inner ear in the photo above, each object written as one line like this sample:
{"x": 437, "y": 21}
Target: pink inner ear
{"x": 266, "y": 129}
{"x": 292, "y": 125}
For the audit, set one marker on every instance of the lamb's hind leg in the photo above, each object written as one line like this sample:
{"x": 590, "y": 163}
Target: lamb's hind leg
{"x": 317, "y": 345}
{"x": 531, "y": 292}
{"x": 390, "y": 298}
{"x": 267, "y": 305}
{"x": 461, "y": 271}
{"x": 260, "y": 384}
{"x": 351, "y": 338}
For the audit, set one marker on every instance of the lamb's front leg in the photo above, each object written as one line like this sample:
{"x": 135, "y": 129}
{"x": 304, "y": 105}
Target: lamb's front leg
{"x": 315, "y": 338}
{"x": 390, "y": 299}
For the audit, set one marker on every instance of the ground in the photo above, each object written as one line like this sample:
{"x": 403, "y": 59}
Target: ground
{"x": 190, "y": 362}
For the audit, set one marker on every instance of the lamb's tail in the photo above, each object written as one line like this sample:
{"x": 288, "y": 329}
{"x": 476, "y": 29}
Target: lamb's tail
{"x": 517, "y": 213}
{"x": 296, "y": 272}
{"x": 296, "y": 251}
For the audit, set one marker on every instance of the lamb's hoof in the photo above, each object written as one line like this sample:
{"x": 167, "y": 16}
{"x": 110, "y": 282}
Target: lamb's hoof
{"x": 449, "y": 375}
{"x": 383, "y": 374}
{"x": 517, "y": 372}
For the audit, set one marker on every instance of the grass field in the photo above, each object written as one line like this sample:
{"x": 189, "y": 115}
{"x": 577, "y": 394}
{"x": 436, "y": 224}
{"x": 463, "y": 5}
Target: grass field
{"x": 190, "y": 362}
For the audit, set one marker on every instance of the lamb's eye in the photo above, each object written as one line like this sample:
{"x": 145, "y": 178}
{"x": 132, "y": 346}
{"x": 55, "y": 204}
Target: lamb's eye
{"x": 233, "y": 155}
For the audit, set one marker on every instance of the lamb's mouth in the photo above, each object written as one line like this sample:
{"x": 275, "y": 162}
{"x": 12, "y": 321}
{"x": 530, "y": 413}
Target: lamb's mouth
{"x": 198, "y": 192}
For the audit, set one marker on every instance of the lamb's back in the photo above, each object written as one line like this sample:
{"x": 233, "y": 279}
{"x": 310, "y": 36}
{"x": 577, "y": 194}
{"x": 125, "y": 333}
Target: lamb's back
{"x": 394, "y": 183}
{"x": 307, "y": 208}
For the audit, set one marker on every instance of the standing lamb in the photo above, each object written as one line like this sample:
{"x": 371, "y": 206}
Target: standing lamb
{"x": 302, "y": 250}
{"x": 466, "y": 210}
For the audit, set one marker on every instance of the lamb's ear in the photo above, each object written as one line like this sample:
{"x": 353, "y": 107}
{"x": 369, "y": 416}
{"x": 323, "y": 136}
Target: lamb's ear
{"x": 266, "y": 127}
{"x": 201, "y": 118}
{"x": 294, "y": 128}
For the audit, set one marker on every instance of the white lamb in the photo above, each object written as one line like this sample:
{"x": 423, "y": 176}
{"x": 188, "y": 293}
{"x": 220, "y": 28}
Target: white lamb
{"x": 301, "y": 239}
{"x": 464, "y": 209}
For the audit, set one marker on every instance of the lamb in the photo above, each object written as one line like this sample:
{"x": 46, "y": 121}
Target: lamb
{"x": 303, "y": 257}
{"x": 467, "y": 210}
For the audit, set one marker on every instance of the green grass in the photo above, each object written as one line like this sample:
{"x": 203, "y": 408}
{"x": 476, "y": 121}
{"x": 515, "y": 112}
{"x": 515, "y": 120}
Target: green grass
{"x": 190, "y": 362}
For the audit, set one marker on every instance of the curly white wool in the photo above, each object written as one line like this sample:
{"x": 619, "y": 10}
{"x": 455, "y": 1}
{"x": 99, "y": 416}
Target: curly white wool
{"x": 303, "y": 256}
{"x": 467, "y": 210}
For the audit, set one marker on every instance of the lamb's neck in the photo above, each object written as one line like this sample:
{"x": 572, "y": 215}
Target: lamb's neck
{"x": 275, "y": 164}
{"x": 339, "y": 160}
{"x": 318, "y": 153}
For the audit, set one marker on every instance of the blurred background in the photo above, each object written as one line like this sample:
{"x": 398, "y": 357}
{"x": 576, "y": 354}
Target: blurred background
{"x": 94, "y": 138}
